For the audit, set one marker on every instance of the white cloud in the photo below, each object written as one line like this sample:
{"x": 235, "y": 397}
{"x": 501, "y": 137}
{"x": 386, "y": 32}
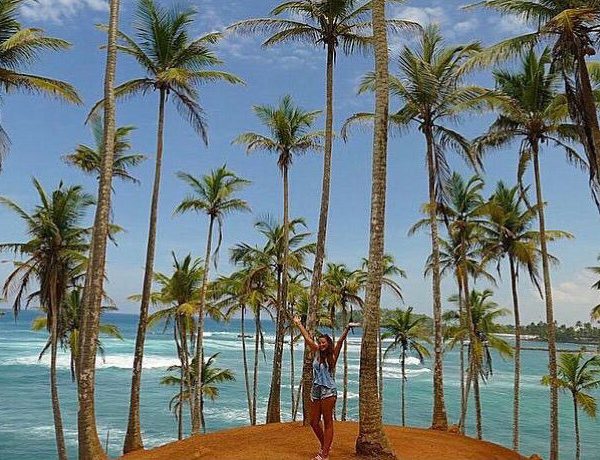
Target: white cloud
{"x": 573, "y": 299}
{"x": 463, "y": 27}
{"x": 58, "y": 10}
{"x": 510, "y": 25}
{"x": 422, "y": 15}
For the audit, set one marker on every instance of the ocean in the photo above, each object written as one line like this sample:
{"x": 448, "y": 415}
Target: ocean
{"x": 27, "y": 432}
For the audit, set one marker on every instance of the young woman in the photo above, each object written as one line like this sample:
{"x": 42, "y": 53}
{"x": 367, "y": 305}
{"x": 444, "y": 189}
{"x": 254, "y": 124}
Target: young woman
{"x": 324, "y": 390}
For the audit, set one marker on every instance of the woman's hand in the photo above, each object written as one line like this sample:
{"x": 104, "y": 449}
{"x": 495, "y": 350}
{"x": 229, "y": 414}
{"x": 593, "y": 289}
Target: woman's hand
{"x": 297, "y": 321}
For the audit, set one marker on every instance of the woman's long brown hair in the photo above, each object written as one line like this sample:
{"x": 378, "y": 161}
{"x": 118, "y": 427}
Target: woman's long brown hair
{"x": 327, "y": 355}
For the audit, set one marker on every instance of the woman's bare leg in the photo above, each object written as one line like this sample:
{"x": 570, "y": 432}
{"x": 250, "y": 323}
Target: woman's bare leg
{"x": 315, "y": 420}
{"x": 327, "y": 407}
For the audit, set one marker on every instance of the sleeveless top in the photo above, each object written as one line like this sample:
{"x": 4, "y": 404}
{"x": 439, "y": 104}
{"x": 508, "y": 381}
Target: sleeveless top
{"x": 321, "y": 374}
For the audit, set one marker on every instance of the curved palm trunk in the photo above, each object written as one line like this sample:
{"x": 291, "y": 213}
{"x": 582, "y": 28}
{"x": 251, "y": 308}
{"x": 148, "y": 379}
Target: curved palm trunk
{"x": 257, "y": 332}
{"x": 517, "y": 378}
{"x": 477, "y": 396}
{"x": 198, "y": 400}
{"x": 58, "y": 425}
{"x": 321, "y": 234}
{"x": 577, "y": 439}
{"x": 133, "y": 438}
{"x": 345, "y": 381}
{"x": 246, "y": 379}
{"x": 274, "y": 404}
{"x": 372, "y": 441}
{"x": 403, "y": 365}
{"x": 439, "y": 418}
{"x": 549, "y": 308}
{"x": 90, "y": 447}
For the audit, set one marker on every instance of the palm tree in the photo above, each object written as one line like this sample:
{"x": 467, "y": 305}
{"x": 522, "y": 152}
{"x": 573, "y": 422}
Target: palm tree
{"x": 290, "y": 130}
{"x": 431, "y": 89}
{"x": 484, "y": 313}
{"x": 578, "y": 376}
{"x": 89, "y": 444}
{"x": 334, "y": 25}
{"x": 535, "y": 114}
{"x": 408, "y": 334}
{"x": 240, "y": 292}
{"x": 20, "y": 47}
{"x": 390, "y": 270}
{"x": 463, "y": 216}
{"x": 71, "y": 314}
{"x": 213, "y": 195}
{"x": 89, "y": 159}
{"x": 512, "y": 235}
{"x": 341, "y": 288}
{"x": 271, "y": 257}
{"x": 179, "y": 295}
{"x": 211, "y": 376}
{"x": 56, "y": 249}
{"x": 595, "y": 315}
{"x": 174, "y": 71}
{"x": 258, "y": 294}
{"x": 372, "y": 441}
{"x": 572, "y": 26}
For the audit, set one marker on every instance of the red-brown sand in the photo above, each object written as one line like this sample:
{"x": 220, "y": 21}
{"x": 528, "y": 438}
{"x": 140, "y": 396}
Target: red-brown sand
{"x": 292, "y": 441}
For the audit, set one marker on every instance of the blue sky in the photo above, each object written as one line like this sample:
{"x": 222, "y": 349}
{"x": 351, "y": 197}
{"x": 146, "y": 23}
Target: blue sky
{"x": 43, "y": 130}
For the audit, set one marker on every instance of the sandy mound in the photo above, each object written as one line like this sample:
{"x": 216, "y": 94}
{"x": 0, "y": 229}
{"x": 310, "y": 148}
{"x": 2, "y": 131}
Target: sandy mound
{"x": 292, "y": 441}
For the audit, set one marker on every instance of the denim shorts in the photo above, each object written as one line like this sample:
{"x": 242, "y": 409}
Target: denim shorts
{"x": 321, "y": 392}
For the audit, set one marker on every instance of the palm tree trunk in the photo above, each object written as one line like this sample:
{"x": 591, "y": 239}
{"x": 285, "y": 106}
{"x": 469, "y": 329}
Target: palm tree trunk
{"x": 133, "y": 438}
{"x": 58, "y": 425}
{"x": 552, "y": 368}
{"x": 380, "y": 365}
{"x": 298, "y": 398}
{"x": 473, "y": 360}
{"x": 477, "y": 396}
{"x": 202, "y": 421}
{"x": 186, "y": 363}
{"x": 198, "y": 400}
{"x": 180, "y": 407}
{"x": 176, "y": 335}
{"x": 439, "y": 419}
{"x": 403, "y": 365}
{"x": 372, "y": 441}
{"x": 517, "y": 377}
{"x": 274, "y": 404}
{"x": 246, "y": 379}
{"x": 462, "y": 345}
{"x": 591, "y": 129}
{"x": 292, "y": 368}
{"x": 90, "y": 447}
{"x": 257, "y": 333}
{"x": 577, "y": 439}
{"x": 345, "y": 381}
{"x": 321, "y": 233}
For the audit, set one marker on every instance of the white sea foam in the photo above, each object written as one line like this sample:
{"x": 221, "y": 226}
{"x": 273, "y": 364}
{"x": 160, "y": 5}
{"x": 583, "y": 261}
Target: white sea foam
{"x": 112, "y": 361}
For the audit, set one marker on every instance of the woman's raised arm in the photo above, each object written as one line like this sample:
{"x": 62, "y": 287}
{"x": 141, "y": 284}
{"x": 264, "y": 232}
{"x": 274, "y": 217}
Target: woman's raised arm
{"x": 307, "y": 338}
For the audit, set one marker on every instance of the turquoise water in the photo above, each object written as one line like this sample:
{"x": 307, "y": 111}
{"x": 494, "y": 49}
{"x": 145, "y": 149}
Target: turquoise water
{"x": 26, "y": 430}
